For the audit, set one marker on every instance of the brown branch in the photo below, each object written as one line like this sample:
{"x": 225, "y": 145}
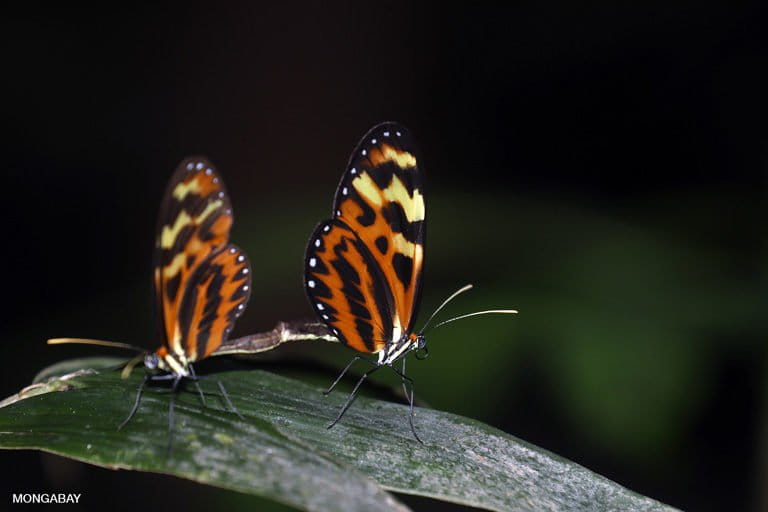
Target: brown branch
{"x": 282, "y": 333}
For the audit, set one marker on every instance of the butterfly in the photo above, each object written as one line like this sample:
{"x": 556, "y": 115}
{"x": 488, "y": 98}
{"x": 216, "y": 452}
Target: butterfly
{"x": 201, "y": 281}
{"x": 363, "y": 267}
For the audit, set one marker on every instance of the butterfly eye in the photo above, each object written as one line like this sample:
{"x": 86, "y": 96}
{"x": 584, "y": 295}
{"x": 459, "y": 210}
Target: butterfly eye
{"x": 151, "y": 361}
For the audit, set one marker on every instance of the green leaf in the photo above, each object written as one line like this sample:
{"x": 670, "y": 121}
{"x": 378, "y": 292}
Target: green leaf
{"x": 283, "y": 451}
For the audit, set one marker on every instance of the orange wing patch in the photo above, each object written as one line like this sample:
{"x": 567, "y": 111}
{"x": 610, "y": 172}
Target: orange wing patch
{"x": 399, "y": 259}
{"x": 214, "y": 298}
{"x": 345, "y": 289}
{"x": 386, "y": 153}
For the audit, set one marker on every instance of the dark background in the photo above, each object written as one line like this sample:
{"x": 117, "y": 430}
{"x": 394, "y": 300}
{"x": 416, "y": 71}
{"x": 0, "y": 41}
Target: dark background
{"x": 603, "y": 170}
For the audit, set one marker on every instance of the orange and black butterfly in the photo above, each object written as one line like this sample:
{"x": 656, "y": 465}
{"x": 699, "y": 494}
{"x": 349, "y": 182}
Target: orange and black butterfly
{"x": 202, "y": 282}
{"x": 363, "y": 267}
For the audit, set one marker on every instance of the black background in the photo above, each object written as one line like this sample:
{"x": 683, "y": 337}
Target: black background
{"x": 633, "y": 113}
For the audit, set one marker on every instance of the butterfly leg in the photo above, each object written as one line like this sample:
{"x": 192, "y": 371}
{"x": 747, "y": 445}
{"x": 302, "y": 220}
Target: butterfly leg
{"x": 224, "y": 395}
{"x": 402, "y": 379}
{"x": 228, "y": 401}
{"x": 344, "y": 372}
{"x": 194, "y": 378}
{"x": 200, "y": 393}
{"x": 136, "y": 402}
{"x": 405, "y": 379}
{"x": 352, "y": 395}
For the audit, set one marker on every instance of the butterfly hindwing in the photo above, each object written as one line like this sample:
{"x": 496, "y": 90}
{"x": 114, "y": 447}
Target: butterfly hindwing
{"x": 379, "y": 205}
{"x": 215, "y": 296}
{"x": 346, "y": 288}
{"x": 195, "y": 219}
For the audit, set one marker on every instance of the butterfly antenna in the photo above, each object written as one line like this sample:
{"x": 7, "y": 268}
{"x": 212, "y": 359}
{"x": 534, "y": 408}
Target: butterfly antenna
{"x": 446, "y": 301}
{"x": 101, "y": 343}
{"x": 476, "y": 313}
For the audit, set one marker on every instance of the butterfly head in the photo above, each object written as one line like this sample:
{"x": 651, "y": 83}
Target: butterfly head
{"x": 164, "y": 361}
{"x": 419, "y": 346}
{"x": 151, "y": 361}
{"x": 410, "y": 343}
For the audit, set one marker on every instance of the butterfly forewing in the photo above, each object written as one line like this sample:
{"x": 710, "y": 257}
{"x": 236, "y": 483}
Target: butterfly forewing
{"x": 380, "y": 200}
{"x": 215, "y": 296}
{"x": 194, "y": 223}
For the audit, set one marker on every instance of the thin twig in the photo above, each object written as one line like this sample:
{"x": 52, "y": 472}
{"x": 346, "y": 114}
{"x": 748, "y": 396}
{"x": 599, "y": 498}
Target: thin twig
{"x": 282, "y": 333}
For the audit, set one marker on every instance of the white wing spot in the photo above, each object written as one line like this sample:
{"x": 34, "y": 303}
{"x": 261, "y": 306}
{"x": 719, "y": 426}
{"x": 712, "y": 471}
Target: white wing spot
{"x": 338, "y": 212}
{"x": 386, "y": 134}
{"x": 335, "y": 331}
{"x": 199, "y": 165}
{"x": 326, "y": 317}
{"x": 208, "y": 171}
{"x": 311, "y": 283}
{"x": 240, "y": 306}
{"x": 327, "y": 228}
{"x": 215, "y": 180}
{"x": 398, "y": 134}
{"x": 312, "y": 262}
{"x": 365, "y": 152}
{"x": 320, "y": 306}
{"x": 317, "y": 243}
{"x": 245, "y": 271}
{"x": 190, "y": 166}
{"x": 232, "y": 250}
{"x": 240, "y": 258}
{"x": 344, "y": 191}
{"x": 221, "y": 193}
{"x": 353, "y": 171}
{"x": 245, "y": 288}
{"x": 373, "y": 141}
